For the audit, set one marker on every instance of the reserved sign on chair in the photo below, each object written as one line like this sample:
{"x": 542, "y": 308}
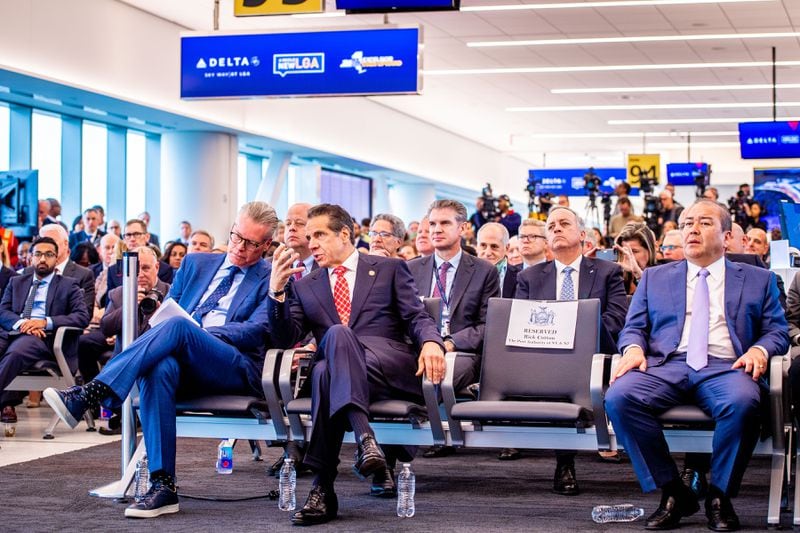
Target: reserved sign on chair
{"x": 542, "y": 324}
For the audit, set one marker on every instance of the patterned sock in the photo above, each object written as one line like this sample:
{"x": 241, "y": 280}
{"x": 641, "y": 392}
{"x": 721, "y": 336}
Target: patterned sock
{"x": 161, "y": 476}
{"x": 96, "y": 391}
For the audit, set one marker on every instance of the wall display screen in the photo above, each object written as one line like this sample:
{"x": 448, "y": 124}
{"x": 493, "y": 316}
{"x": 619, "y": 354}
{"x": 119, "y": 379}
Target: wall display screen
{"x": 769, "y": 140}
{"x": 319, "y": 63}
{"x": 570, "y": 181}
{"x": 396, "y": 6}
{"x": 686, "y": 173}
{"x": 771, "y": 186}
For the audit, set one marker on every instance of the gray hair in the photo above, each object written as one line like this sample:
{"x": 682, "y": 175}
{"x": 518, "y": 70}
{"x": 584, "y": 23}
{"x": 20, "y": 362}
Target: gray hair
{"x": 54, "y": 228}
{"x": 495, "y": 225}
{"x": 147, "y": 251}
{"x": 203, "y": 232}
{"x": 458, "y": 207}
{"x": 261, "y": 213}
{"x": 398, "y": 228}
{"x": 534, "y": 222}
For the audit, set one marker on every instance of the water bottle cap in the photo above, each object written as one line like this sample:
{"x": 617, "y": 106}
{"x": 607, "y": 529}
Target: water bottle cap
{"x": 406, "y": 465}
{"x": 288, "y": 460}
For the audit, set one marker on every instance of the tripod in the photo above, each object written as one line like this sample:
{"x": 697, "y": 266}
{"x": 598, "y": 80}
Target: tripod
{"x": 592, "y": 214}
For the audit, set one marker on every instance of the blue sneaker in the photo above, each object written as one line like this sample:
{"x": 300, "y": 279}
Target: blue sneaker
{"x": 69, "y": 404}
{"x": 160, "y": 499}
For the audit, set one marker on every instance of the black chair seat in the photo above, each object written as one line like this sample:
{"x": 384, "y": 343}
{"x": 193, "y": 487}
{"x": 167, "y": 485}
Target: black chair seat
{"x": 384, "y": 409}
{"x": 223, "y": 405}
{"x": 40, "y": 368}
{"x": 520, "y": 411}
{"x": 686, "y": 415}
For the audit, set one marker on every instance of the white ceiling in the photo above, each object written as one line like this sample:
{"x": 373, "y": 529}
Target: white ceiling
{"x": 475, "y": 105}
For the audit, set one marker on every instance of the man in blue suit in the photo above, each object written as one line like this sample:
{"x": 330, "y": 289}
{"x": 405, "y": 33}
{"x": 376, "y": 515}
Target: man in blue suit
{"x": 221, "y": 351}
{"x": 34, "y": 305}
{"x": 360, "y": 309}
{"x": 700, "y": 330}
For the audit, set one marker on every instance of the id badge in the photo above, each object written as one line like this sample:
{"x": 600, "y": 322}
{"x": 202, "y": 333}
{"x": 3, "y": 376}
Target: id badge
{"x": 445, "y": 328}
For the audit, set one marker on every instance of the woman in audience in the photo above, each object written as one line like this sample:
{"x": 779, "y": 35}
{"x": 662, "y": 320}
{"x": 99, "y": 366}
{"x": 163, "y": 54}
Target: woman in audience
{"x": 85, "y": 254}
{"x": 174, "y": 254}
{"x": 600, "y": 239}
{"x": 636, "y": 248}
{"x": 754, "y": 218}
{"x": 408, "y": 252}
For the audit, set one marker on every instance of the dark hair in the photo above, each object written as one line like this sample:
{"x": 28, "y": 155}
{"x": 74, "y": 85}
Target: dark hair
{"x": 626, "y": 186}
{"x": 45, "y": 240}
{"x": 624, "y": 200}
{"x": 171, "y": 246}
{"x": 85, "y": 248}
{"x": 638, "y": 231}
{"x": 457, "y": 207}
{"x": 338, "y": 218}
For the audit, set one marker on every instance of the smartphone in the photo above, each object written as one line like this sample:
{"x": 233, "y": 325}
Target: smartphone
{"x": 607, "y": 255}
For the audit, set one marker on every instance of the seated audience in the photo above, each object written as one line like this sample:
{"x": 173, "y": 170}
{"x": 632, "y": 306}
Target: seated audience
{"x": 85, "y": 254}
{"x": 115, "y": 227}
{"x": 144, "y": 216}
{"x": 91, "y": 231}
{"x": 423, "y": 240}
{"x": 23, "y": 255}
{"x": 672, "y": 245}
{"x": 754, "y": 218}
{"x": 636, "y": 247}
{"x": 200, "y": 241}
{"x": 185, "y": 232}
{"x": 758, "y": 244}
{"x": 65, "y": 266}
{"x": 513, "y": 255}
{"x": 625, "y": 216}
{"x": 408, "y": 252}
{"x": 174, "y": 254}
{"x": 532, "y": 242}
{"x": 386, "y": 235}
{"x": 135, "y": 237}
{"x": 681, "y": 346}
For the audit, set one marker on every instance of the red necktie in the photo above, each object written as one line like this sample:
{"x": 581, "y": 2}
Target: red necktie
{"x": 299, "y": 275}
{"x": 442, "y": 279}
{"x": 341, "y": 295}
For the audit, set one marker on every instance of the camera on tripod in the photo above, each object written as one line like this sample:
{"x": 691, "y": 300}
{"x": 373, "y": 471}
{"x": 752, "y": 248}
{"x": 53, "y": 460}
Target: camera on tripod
{"x": 489, "y": 210}
{"x": 592, "y": 182}
{"x": 540, "y": 205}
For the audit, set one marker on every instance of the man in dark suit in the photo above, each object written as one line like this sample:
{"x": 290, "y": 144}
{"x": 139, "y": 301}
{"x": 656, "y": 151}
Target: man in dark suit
{"x": 360, "y": 309}
{"x": 34, "y": 305}
{"x": 572, "y": 276}
{"x": 90, "y": 232}
{"x": 700, "y": 330}
{"x": 67, "y": 267}
{"x": 135, "y": 236}
{"x": 220, "y": 351}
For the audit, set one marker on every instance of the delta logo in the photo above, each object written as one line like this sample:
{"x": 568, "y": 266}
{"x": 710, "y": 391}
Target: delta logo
{"x": 362, "y": 63}
{"x": 285, "y": 64}
{"x": 227, "y": 62}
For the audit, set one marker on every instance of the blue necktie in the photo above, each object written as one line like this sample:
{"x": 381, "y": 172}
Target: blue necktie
{"x": 214, "y": 298}
{"x": 567, "y": 288}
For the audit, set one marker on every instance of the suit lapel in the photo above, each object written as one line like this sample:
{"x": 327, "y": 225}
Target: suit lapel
{"x": 676, "y": 287}
{"x": 365, "y": 279}
{"x": 321, "y": 289}
{"x": 546, "y": 290}
{"x": 426, "y": 267}
{"x": 586, "y": 278}
{"x": 205, "y": 275}
{"x": 254, "y": 275}
{"x": 51, "y": 293}
{"x": 734, "y": 286}
{"x": 461, "y": 281}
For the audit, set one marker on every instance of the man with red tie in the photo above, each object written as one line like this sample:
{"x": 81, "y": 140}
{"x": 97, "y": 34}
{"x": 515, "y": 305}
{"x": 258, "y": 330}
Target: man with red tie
{"x": 359, "y": 308}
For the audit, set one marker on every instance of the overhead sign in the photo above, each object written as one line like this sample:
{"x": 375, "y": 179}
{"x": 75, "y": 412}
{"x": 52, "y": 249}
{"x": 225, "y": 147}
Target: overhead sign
{"x": 643, "y": 166}
{"x": 572, "y": 182}
{"x": 686, "y": 173}
{"x": 250, "y": 8}
{"x": 319, "y": 63}
{"x": 769, "y": 140}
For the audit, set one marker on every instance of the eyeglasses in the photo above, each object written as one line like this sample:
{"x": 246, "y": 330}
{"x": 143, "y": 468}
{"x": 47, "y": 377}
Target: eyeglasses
{"x": 526, "y": 238}
{"x": 381, "y": 234}
{"x": 46, "y": 255}
{"x": 237, "y": 239}
{"x": 133, "y": 235}
{"x": 670, "y": 247}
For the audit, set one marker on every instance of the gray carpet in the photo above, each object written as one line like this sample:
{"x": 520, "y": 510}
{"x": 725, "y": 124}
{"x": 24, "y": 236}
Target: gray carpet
{"x": 470, "y": 491}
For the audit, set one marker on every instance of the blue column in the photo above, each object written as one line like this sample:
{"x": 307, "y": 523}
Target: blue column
{"x": 152, "y": 199}
{"x": 115, "y": 203}
{"x": 254, "y": 176}
{"x": 20, "y": 149}
{"x": 71, "y": 164}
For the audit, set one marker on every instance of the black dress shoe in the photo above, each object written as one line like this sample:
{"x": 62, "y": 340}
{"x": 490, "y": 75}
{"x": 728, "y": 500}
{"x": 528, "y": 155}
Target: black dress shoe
{"x": 321, "y": 506}
{"x": 383, "y": 485}
{"x": 9, "y": 415}
{"x": 160, "y": 499}
{"x": 275, "y": 469}
{"x": 509, "y": 454}
{"x": 369, "y": 457}
{"x": 720, "y": 513}
{"x": 564, "y": 480}
{"x": 695, "y": 481}
{"x": 670, "y": 511}
{"x": 438, "y": 451}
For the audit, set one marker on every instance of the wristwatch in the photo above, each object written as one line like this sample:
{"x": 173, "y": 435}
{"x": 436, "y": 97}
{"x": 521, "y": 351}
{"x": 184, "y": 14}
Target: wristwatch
{"x": 276, "y": 294}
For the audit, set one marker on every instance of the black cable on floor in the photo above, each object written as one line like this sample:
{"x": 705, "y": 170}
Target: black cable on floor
{"x": 271, "y": 495}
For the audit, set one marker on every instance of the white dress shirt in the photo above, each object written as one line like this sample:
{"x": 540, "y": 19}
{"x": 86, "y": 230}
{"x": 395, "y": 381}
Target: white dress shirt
{"x": 351, "y": 264}
{"x": 218, "y": 315}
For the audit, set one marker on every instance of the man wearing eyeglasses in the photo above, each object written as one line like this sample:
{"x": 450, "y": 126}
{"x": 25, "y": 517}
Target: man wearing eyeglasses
{"x": 134, "y": 237}
{"x": 219, "y": 351}
{"x": 672, "y": 245}
{"x": 699, "y": 331}
{"x": 386, "y": 234}
{"x": 34, "y": 305}
{"x": 532, "y": 242}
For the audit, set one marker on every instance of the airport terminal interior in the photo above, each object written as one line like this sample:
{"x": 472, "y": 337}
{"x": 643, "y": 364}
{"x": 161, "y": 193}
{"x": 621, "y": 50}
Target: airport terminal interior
{"x": 179, "y": 112}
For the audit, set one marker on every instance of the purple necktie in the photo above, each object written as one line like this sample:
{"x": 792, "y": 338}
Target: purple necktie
{"x": 442, "y": 279}
{"x": 299, "y": 275}
{"x": 697, "y": 352}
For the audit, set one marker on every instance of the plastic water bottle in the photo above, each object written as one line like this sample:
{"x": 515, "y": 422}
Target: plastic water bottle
{"x": 225, "y": 457}
{"x": 287, "y": 486}
{"x": 616, "y": 513}
{"x": 9, "y": 430}
{"x": 406, "y": 482}
{"x": 141, "y": 479}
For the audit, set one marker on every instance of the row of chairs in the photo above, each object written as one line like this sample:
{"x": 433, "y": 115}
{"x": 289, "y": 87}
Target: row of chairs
{"x": 529, "y": 399}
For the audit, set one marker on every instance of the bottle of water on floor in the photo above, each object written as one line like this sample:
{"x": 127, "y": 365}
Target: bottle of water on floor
{"x": 616, "y": 513}
{"x": 141, "y": 479}
{"x": 225, "y": 457}
{"x": 406, "y": 482}
{"x": 9, "y": 430}
{"x": 287, "y": 486}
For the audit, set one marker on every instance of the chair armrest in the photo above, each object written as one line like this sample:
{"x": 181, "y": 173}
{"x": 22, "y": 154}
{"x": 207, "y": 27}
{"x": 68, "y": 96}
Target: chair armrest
{"x": 430, "y": 393}
{"x": 778, "y": 374}
{"x": 271, "y": 393}
{"x": 598, "y": 384}
{"x": 58, "y": 348}
{"x": 287, "y": 394}
{"x": 449, "y": 399}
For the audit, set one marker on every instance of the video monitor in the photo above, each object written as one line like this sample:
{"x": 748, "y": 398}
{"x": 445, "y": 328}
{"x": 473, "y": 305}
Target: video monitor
{"x": 19, "y": 202}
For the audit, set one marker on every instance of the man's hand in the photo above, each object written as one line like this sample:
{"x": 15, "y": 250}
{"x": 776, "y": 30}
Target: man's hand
{"x": 282, "y": 270}
{"x": 449, "y": 346}
{"x": 31, "y": 327}
{"x": 753, "y": 362}
{"x": 628, "y": 261}
{"x": 379, "y": 251}
{"x": 633, "y": 358}
{"x": 431, "y": 362}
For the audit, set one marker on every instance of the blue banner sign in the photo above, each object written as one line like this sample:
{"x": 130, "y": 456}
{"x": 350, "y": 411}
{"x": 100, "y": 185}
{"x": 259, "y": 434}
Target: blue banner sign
{"x": 686, "y": 173}
{"x": 570, "y": 181}
{"x": 352, "y": 62}
{"x": 769, "y": 140}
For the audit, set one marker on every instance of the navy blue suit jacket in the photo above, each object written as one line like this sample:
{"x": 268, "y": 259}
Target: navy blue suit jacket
{"x": 752, "y": 307}
{"x": 476, "y": 281}
{"x": 597, "y": 279}
{"x": 65, "y": 306}
{"x": 246, "y": 326}
{"x": 81, "y": 236}
{"x": 509, "y": 288}
{"x": 384, "y": 311}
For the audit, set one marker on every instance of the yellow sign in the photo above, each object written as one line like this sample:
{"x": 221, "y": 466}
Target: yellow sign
{"x": 249, "y": 8}
{"x": 643, "y": 166}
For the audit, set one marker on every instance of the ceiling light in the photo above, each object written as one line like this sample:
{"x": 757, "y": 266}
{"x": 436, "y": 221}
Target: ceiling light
{"x": 612, "y": 3}
{"x": 327, "y": 14}
{"x": 646, "y": 107}
{"x": 730, "y": 144}
{"x": 624, "y": 135}
{"x": 652, "y": 122}
{"x": 674, "y": 88}
{"x": 605, "y": 68}
{"x": 634, "y": 39}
